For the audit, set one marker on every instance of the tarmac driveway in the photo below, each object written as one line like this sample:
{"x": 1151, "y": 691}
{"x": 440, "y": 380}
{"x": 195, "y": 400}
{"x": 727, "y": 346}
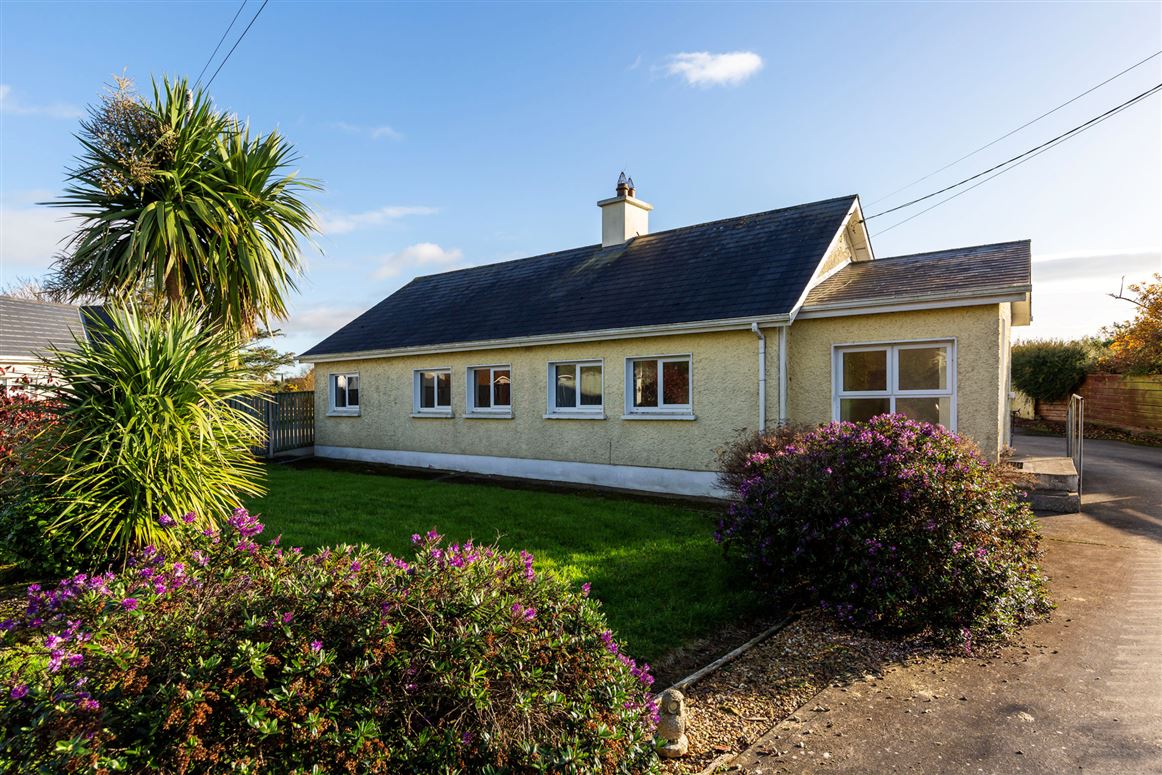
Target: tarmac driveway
{"x": 1082, "y": 694}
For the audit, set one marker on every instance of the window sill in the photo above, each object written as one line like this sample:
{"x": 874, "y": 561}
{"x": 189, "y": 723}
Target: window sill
{"x": 575, "y": 416}
{"x": 432, "y": 415}
{"x": 343, "y": 413}
{"x": 477, "y": 415}
{"x": 683, "y": 416}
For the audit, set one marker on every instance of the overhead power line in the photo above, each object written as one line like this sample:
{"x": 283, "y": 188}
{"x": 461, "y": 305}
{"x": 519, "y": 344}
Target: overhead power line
{"x": 1032, "y": 151}
{"x": 1018, "y": 129}
{"x": 1029, "y": 156}
{"x": 220, "y": 40}
{"x": 240, "y": 37}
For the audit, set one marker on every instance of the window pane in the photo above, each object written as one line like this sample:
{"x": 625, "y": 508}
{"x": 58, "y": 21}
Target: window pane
{"x": 501, "y": 388}
{"x": 566, "y": 397}
{"x": 865, "y": 370}
{"x": 340, "y": 391}
{"x": 936, "y": 410}
{"x": 590, "y": 386}
{"x": 645, "y": 383}
{"x": 427, "y": 390}
{"x": 482, "y": 392}
{"x": 860, "y": 409}
{"x": 676, "y": 382}
{"x": 923, "y": 368}
{"x": 443, "y": 389}
{"x": 353, "y": 391}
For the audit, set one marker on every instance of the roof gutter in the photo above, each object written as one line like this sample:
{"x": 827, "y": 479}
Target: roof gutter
{"x": 906, "y": 304}
{"x": 635, "y": 332}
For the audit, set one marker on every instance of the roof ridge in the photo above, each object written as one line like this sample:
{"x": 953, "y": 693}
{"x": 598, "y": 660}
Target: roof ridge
{"x": 953, "y": 250}
{"x": 597, "y": 246}
{"x": 5, "y": 297}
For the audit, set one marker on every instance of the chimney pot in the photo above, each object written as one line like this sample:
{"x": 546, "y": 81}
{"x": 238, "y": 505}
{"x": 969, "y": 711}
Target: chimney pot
{"x": 622, "y": 187}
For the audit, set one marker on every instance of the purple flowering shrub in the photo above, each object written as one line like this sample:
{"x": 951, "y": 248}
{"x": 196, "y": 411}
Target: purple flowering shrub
{"x": 890, "y": 523}
{"x": 241, "y": 654}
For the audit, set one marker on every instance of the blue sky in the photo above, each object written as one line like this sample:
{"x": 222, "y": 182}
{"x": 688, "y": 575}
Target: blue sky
{"x": 451, "y": 135}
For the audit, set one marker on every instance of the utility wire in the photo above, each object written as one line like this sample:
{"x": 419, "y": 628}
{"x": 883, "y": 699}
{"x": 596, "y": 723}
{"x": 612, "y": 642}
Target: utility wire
{"x": 1018, "y": 129}
{"x": 1032, "y": 151}
{"x": 220, "y": 40}
{"x": 240, "y": 37}
{"x": 1058, "y": 141}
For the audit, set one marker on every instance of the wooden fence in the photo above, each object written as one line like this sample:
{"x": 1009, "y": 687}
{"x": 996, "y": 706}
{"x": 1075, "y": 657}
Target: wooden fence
{"x": 289, "y": 419}
{"x": 1115, "y": 400}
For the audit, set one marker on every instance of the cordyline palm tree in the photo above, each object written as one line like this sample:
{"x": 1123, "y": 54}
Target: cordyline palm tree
{"x": 180, "y": 204}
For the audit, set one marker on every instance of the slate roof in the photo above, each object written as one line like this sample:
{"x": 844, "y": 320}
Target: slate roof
{"x": 1000, "y": 268}
{"x": 28, "y": 328}
{"x": 752, "y": 265}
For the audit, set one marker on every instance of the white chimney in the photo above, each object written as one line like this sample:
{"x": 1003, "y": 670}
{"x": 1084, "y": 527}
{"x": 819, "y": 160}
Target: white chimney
{"x": 623, "y": 216}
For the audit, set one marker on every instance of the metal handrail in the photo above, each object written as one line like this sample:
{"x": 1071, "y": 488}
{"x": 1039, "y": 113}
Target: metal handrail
{"x": 1075, "y": 436}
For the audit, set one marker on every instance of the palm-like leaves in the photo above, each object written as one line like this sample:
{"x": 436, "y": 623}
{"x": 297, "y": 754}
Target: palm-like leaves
{"x": 147, "y": 426}
{"x": 177, "y": 200}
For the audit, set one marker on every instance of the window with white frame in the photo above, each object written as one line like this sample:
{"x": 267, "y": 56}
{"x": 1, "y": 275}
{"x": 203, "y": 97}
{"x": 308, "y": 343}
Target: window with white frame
{"x": 576, "y": 387}
{"x": 490, "y": 389}
{"x": 658, "y": 384}
{"x": 345, "y": 393}
{"x": 916, "y": 379}
{"x": 432, "y": 391}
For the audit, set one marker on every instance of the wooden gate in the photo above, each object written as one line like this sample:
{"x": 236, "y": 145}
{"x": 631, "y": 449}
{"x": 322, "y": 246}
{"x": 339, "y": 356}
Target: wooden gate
{"x": 289, "y": 420}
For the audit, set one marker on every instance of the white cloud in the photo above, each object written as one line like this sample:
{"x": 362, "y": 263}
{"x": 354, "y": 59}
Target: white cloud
{"x": 381, "y": 132}
{"x": 320, "y": 320}
{"x": 418, "y": 257}
{"x": 701, "y": 68}
{"x": 13, "y": 105}
{"x": 332, "y": 223}
{"x": 30, "y": 235}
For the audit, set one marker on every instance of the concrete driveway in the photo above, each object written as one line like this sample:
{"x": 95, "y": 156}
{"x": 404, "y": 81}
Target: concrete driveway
{"x": 1082, "y": 694}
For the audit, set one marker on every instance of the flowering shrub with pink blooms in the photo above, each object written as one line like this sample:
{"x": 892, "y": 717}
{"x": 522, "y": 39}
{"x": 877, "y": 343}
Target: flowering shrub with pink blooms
{"x": 889, "y": 523}
{"x": 244, "y": 655}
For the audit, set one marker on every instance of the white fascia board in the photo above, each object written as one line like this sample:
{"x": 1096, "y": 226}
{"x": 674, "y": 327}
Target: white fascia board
{"x": 638, "y": 332}
{"x": 907, "y": 305}
{"x": 830, "y": 246}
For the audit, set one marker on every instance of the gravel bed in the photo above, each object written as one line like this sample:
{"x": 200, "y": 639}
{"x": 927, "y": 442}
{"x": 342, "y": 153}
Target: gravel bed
{"x": 731, "y": 708}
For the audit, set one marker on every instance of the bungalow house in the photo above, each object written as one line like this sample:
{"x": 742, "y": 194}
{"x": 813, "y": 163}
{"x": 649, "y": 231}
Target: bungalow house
{"x": 628, "y": 363}
{"x": 29, "y": 328}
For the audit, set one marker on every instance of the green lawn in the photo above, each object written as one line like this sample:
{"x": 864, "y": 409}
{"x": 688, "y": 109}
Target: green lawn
{"x": 656, "y": 569}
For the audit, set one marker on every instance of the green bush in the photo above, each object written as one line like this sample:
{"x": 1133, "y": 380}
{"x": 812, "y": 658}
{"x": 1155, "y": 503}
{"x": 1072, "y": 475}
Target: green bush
{"x": 144, "y": 425}
{"x": 891, "y": 524}
{"x": 1050, "y": 370}
{"x": 248, "y": 658}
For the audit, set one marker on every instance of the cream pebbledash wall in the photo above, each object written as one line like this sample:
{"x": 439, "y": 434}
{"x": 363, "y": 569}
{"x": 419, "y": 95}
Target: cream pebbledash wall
{"x": 981, "y": 376}
{"x": 724, "y": 376}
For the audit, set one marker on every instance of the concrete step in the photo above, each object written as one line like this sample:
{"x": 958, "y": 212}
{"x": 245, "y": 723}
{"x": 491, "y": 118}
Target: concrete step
{"x": 1055, "y": 501}
{"x": 1053, "y": 473}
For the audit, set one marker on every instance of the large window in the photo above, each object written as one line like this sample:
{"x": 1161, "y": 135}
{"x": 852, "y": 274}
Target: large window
{"x": 432, "y": 392}
{"x": 576, "y": 388}
{"x": 914, "y": 379}
{"x": 344, "y": 393}
{"x": 490, "y": 390}
{"x": 658, "y": 385}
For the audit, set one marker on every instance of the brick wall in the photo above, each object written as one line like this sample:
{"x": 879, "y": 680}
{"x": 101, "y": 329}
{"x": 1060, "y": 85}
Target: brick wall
{"x": 1129, "y": 403}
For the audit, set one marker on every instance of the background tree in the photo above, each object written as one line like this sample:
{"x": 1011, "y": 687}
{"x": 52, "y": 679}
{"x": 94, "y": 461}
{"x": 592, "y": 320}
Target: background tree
{"x": 179, "y": 201}
{"x": 263, "y": 361}
{"x": 1136, "y": 346}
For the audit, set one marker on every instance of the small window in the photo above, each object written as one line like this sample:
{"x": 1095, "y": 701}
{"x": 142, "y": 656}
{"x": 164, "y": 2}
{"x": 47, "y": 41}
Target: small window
{"x": 433, "y": 391}
{"x": 576, "y": 387}
{"x": 659, "y": 384}
{"x": 490, "y": 389}
{"x": 915, "y": 380}
{"x": 345, "y": 393}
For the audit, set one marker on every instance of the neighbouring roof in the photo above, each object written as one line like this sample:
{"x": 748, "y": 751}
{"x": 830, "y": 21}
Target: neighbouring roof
{"x": 29, "y": 328}
{"x": 1003, "y": 268}
{"x": 749, "y": 266}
